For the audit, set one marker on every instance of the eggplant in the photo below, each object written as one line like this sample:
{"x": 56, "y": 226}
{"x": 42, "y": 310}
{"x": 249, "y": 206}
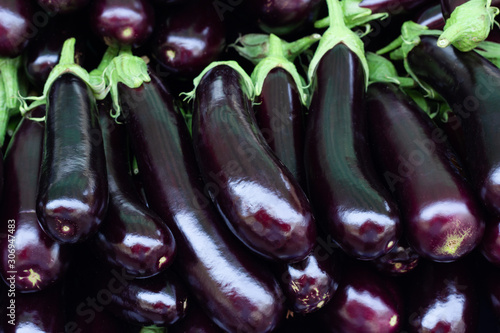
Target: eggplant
{"x": 442, "y": 298}
{"x": 122, "y": 22}
{"x": 258, "y": 197}
{"x": 402, "y": 259}
{"x": 73, "y": 188}
{"x": 103, "y": 321}
{"x": 310, "y": 284}
{"x": 432, "y": 17}
{"x": 234, "y": 289}
{"x": 283, "y": 18}
{"x": 366, "y": 301}
{"x": 131, "y": 236}
{"x": 54, "y": 7}
{"x": 441, "y": 216}
{"x": 43, "y": 52}
{"x": 490, "y": 275}
{"x": 30, "y": 260}
{"x": 15, "y": 26}
{"x": 474, "y": 101}
{"x": 196, "y": 321}
{"x": 189, "y": 38}
{"x": 280, "y": 117}
{"x": 348, "y": 195}
{"x": 490, "y": 244}
{"x": 41, "y": 312}
{"x": 394, "y": 7}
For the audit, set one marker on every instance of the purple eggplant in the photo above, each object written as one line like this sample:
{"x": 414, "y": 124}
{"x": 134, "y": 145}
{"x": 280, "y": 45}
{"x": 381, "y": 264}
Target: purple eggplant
{"x": 234, "y": 289}
{"x": 41, "y": 312}
{"x": 366, "y": 301}
{"x": 132, "y": 236}
{"x": 402, "y": 259}
{"x": 15, "y": 26}
{"x": 284, "y": 17}
{"x": 490, "y": 245}
{"x": 349, "y": 197}
{"x": 54, "y": 7}
{"x": 440, "y": 213}
{"x": 29, "y": 260}
{"x": 442, "y": 298}
{"x": 122, "y": 22}
{"x": 73, "y": 188}
{"x": 196, "y": 321}
{"x": 279, "y": 114}
{"x": 431, "y": 17}
{"x": 394, "y": 7}
{"x": 490, "y": 276}
{"x": 310, "y": 284}
{"x": 43, "y": 52}
{"x": 474, "y": 101}
{"x": 260, "y": 200}
{"x": 189, "y": 38}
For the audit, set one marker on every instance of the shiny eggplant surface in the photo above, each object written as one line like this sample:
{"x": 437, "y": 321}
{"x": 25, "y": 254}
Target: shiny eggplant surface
{"x": 131, "y": 236}
{"x": 349, "y": 197}
{"x": 490, "y": 244}
{"x": 262, "y": 203}
{"x": 196, "y": 321}
{"x": 432, "y": 18}
{"x": 475, "y": 102}
{"x": 73, "y": 188}
{"x": 189, "y": 38}
{"x": 122, "y": 22}
{"x": 15, "y": 26}
{"x": 233, "y": 287}
{"x": 402, "y": 259}
{"x": 366, "y": 301}
{"x": 442, "y": 298}
{"x": 29, "y": 259}
{"x": 279, "y": 114}
{"x": 62, "y": 6}
{"x": 441, "y": 216}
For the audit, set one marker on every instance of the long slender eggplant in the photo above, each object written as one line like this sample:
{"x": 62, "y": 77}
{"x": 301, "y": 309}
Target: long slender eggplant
{"x": 15, "y": 26}
{"x": 442, "y": 298}
{"x": 54, "y": 7}
{"x": 41, "y": 312}
{"x": 73, "y": 189}
{"x": 349, "y": 197}
{"x": 366, "y": 301}
{"x": 189, "y": 38}
{"x": 122, "y": 22}
{"x": 235, "y": 290}
{"x": 25, "y": 248}
{"x": 132, "y": 236}
{"x": 402, "y": 259}
{"x": 280, "y": 117}
{"x": 284, "y": 17}
{"x": 440, "y": 213}
{"x": 43, "y": 52}
{"x": 260, "y": 200}
{"x": 475, "y": 102}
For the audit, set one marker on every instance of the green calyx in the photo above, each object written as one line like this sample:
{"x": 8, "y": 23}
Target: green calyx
{"x": 9, "y": 92}
{"x": 382, "y": 70}
{"x": 248, "y": 87}
{"x": 277, "y": 59}
{"x": 255, "y": 47}
{"x": 354, "y": 15}
{"x": 402, "y": 46}
{"x": 338, "y": 33}
{"x": 469, "y": 24}
{"x": 490, "y": 51}
{"x": 153, "y": 329}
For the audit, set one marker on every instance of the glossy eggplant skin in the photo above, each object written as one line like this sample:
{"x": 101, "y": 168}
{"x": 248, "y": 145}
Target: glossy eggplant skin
{"x": 15, "y": 26}
{"x": 40, "y": 312}
{"x": 349, "y": 197}
{"x": 442, "y": 298}
{"x": 38, "y": 260}
{"x": 474, "y": 101}
{"x": 432, "y": 18}
{"x": 73, "y": 188}
{"x": 366, "y": 301}
{"x": 235, "y": 289}
{"x": 394, "y": 7}
{"x": 441, "y": 216}
{"x": 54, "y": 7}
{"x": 284, "y": 17}
{"x": 43, "y": 52}
{"x": 490, "y": 244}
{"x": 280, "y": 117}
{"x": 310, "y": 284}
{"x": 122, "y": 22}
{"x": 196, "y": 321}
{"x": 260, "y": 200}
{"x": 131, "y": 235}
{"x": 189, "y": 38}
{"x": 401, "y": 260}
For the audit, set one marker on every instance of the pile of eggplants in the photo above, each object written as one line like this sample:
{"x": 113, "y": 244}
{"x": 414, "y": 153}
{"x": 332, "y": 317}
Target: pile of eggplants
{"x": 228, "y": 166}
